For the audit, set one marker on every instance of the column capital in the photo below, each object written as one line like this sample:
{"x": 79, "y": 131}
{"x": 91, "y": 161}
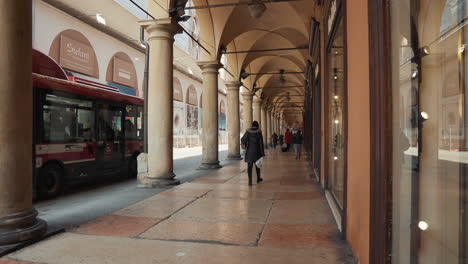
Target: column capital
{"x": 233, "y": 85}
{"x": 257, "y": 101}
{"x": 209, "y": 66}
{"x": 247, "y": 96}
{"x": 164, "y": 28}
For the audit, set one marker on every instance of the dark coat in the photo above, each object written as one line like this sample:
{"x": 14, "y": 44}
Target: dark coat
{"x": 254, "y": 140}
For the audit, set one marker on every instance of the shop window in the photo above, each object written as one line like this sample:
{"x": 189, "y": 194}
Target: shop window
{"x": 430, "y": 140}
{"x": 336, "y": 116}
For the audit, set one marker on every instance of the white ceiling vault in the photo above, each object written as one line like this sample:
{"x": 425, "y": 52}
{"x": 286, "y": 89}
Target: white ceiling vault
{"x": 281, "y": 25}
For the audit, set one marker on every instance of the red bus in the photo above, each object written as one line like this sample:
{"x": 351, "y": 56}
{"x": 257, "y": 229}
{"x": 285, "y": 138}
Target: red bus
{"x": 82, "y": 130}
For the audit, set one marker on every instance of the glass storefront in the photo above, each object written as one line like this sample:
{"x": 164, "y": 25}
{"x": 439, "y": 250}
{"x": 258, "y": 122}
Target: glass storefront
{"x": 336, "y": 115}
{"x": 430, "y": 140}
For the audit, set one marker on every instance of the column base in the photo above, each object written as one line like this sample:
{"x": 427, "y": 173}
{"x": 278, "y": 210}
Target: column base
{"x": 146, "y": 181}
{"x": 21, "y": 227}
{"x": 210, "y": 166}
{"x": 234, "y": 157}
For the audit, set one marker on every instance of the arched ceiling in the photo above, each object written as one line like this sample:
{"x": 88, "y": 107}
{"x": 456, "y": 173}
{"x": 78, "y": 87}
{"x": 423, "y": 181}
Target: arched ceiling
{"x": 282, "y": 25}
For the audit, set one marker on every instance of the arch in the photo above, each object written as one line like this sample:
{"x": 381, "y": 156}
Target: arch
{"x": 74, "y": 52}
{"x": 191, "y": 96}
{"x": 178, "y": 94}
{"x": 121, "y": 72}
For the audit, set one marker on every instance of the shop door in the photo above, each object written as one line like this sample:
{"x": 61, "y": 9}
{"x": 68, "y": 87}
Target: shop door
{"x": 110, "y": 143}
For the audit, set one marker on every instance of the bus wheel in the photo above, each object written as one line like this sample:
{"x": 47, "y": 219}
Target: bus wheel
{"x": 132, "y": 168}
{"x": 50, "y": 181}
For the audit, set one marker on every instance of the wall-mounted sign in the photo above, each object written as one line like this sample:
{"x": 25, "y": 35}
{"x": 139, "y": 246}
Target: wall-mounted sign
{"x": 76, "y": 56}
{"x": 124, "y": 72}
{"x": 192, "y": 96}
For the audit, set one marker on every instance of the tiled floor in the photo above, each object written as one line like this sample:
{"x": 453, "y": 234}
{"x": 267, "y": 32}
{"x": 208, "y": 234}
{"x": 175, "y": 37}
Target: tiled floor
{"x": 215, "y": 219}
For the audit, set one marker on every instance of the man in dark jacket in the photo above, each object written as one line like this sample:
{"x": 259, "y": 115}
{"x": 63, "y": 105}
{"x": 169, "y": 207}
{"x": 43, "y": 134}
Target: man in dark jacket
{"x": 275, "y": 139}
{"x": 253, "y": 143}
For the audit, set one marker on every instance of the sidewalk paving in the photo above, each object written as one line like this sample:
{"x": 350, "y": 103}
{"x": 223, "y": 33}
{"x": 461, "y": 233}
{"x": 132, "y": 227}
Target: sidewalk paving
{"x": 217, "y": 218}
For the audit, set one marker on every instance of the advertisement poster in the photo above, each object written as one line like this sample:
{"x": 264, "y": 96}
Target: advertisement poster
{"x": 179, "y": 124}
{"x": 222, "y": 116}
{"x": 192, "y": 119}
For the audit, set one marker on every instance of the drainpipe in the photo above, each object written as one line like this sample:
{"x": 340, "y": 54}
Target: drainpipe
{"x": 145, "y": 89}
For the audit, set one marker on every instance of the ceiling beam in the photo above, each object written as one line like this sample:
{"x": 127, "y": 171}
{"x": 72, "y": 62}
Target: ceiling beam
{"x": 239, "y": 4}
{"x": 263, "y": 50}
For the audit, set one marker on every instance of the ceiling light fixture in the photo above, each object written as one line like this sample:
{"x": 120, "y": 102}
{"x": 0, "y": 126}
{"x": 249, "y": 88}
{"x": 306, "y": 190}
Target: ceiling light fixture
{"x": 100, "y": 19}
{"x": 256, "y": 9}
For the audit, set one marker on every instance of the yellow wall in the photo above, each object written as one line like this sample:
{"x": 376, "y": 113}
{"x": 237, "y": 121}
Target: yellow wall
{"x": 358, "y": 130}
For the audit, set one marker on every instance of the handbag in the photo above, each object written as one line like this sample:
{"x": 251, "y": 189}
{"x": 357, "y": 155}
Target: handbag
{"x": 259, "y": 162}
{"x": 244, "y": 142}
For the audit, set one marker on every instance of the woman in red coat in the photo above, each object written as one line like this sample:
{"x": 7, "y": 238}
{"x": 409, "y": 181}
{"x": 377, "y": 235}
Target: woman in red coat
{"x": 288, "y": 138}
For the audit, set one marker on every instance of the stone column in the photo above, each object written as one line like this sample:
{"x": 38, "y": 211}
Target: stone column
{"x": 248, "y": 118}
{"x": 233, "y": 120}
{"x": 257, "y": 110}
{"x": 210, "y": 115}
{"x": 18, "y": 222}
{"x": 264, "y": 124}
{"x": 269, "y": 126}
{"x": 155, "y": 168}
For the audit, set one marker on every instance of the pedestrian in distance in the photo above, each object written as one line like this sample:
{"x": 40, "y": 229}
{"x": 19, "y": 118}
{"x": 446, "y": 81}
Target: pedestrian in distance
{"x": 281, "y": 141}
{"x": 252, "y": 142}
{"x": 297, "y": 144}
{"x": 288, "y": 139}
{"x": 275, "y": 139}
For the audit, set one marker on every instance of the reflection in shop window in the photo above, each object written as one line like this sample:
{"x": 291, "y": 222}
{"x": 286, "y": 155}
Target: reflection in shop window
{"x": 430, "y": 157}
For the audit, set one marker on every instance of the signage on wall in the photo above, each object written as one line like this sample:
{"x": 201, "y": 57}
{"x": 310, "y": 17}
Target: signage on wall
{"x": 76, "y": 56}
{"x": 192, "y": 96}
{"x": 123, "y": 72}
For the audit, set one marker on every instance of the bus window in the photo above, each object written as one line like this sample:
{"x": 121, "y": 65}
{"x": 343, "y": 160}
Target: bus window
{"x": 110, "y": 123}
{"x": 140, "y": 122}
{"x": 67, "y": 120}
{"x": 130, "y": 122}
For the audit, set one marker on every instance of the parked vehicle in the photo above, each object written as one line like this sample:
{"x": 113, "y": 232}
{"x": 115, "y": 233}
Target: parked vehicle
{"x": 83, "y": 130}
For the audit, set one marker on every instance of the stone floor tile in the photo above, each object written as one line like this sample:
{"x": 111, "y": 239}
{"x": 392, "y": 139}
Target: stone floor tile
{"x": 218, "y": 232}
{"x": 195, "y": 193}
{"x": 117, "y": 225}
{"x": 158, "y": 206}
{"x": 301, "y": 212}
{"x": 72, "y": 248}
{"x": 12, "y": 261}
{"x": 239, "y": 194}
{"x": 192, "y": 185}
{"x": 299, "y": 236}
{"x": 298, "y": 196}
{"x": 209, "y": 180}
{"x": 225, "y": 210}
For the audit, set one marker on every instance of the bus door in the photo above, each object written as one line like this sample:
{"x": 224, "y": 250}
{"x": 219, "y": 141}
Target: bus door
{"x": 110, "y": 138}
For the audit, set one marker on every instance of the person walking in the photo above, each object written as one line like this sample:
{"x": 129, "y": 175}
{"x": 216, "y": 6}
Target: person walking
{"x": 252, "y": 142}
{"x": 275, "y": 139}
{"x": 297, "y": 143}
{"x": 281, "y": 141}
{"x": 288, "y": 139}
